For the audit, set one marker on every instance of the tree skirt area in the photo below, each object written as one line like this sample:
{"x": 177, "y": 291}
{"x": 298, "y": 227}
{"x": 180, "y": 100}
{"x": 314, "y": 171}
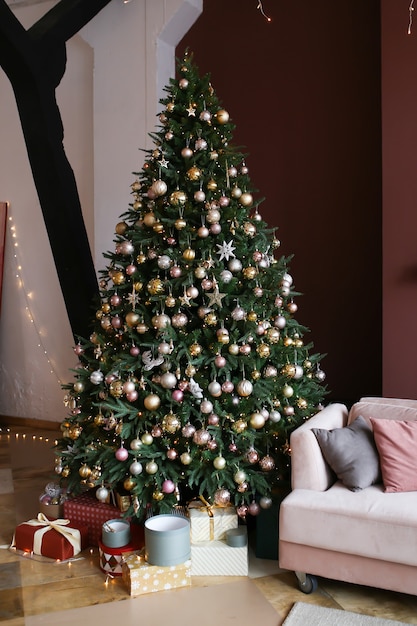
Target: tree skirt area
{"x": 231, "y": 603}
{"x": 302, "y": 614}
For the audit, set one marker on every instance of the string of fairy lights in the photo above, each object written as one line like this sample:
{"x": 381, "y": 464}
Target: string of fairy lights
{"x": 28, "y": 297}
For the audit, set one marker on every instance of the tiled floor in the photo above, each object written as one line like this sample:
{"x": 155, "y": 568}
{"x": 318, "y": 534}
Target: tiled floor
{"x": 34, "y": 592}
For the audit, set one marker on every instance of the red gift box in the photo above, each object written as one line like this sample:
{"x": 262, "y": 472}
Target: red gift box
{"x": 86, "y": 509}
{"x": 112, "y": 559}
{"x": 54, "y": 538}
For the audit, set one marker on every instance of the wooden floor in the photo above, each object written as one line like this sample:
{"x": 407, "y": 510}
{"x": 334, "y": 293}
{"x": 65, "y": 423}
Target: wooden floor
{"x": 33, "y": 592}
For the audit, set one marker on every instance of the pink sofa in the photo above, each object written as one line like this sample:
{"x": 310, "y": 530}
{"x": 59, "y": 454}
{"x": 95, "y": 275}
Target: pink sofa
{"x": 367, "y": 537}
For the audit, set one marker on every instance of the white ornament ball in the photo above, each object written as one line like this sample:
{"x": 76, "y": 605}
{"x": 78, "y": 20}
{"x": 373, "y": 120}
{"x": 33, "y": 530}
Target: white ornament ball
{"x": 164, "y": 262}
{"x": 239, "y": 477}
{"x": 151, "y": 467}
{"x": 102, "y": 494}
{"x": 168, "y": 380}
{"x": 235, "y": 265}
{"x": 219, "y": 462}
{"x": 97, "y": 377}
{"x": 206, "y": 406}
{"x": 136, "y": 468}
{"x": 215, "y": 389}
{"x": 226, "y": 276}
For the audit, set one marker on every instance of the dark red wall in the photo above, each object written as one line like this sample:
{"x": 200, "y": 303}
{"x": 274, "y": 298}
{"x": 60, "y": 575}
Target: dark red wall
{"x": 399, "y": 117}
{"x": 304, "y": 92}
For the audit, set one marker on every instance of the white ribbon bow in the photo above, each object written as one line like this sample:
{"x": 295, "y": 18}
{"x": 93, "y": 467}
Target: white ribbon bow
{"x": 73, "y": 535}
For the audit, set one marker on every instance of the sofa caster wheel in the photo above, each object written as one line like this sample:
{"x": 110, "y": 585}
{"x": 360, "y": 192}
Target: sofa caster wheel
{"x": 306, "y": 582}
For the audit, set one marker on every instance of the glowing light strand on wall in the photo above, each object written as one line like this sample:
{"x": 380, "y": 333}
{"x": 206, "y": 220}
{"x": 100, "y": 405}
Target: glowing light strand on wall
{"x": 28, "y": 297}
{"x": 261, "y": 9}
{"x": 410, "y": 18}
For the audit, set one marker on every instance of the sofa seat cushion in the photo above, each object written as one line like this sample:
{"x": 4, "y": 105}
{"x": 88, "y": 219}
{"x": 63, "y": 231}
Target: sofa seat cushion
{"x": 368, "y": 523}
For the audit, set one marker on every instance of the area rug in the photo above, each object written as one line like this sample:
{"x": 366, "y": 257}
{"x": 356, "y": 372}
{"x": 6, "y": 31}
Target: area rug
{"x": 303, "y": 613}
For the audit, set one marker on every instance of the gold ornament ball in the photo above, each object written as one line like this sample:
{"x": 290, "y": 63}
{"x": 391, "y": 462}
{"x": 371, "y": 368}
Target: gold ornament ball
{"x": 142, "y": 328}
{"x": 249, "y": 272}
{"x": 155, "y": 286}
{"x": 129, "y": 483}
{"x": 99, "y": 419}
{"x": 252, "y": 316}
{"x": 149, "y": 219}
{"x": 121, "y": 228}
{"x": 248, "y": 228}
{"x": 234, "y": 349}
{"x": 158, "y": 227}
{"x": 118, "y": 278}
{"x": 78, "y": 386}
{"x": 132, "y": 319}
{"x": 212, "y": 185}
{"x": 200, "y": 272}
{"x": 256, "y": 374}
{"x": 239, "y": 427}
{"x": 188, "y": 254}
{"x": 178, "y": 198}
{"x": 244, "y": 388}
{"x": 222, "y": 116}
{"x": 152, "y": 402}
{"x": 147, "y": 439}
{"x": 65, "y": 472}
{"x": 116, "y": 389}
{"x": 195, "y": 349}
{"x": 257, "y": 421}
{"x": 302, "y": 403}
{"x": 84, "y": 471}
{"x": 74, "y": 432}
{"x": 186, "y": 458}
{"x": 171, "y": 423}
{"x": 194, "y": 173}
{"x": 273, "y": 335}
{"x": 157, "y": 496}
{"x": 170, "y": 302}
{"x": 263, "y": 350}
{"x": 180, "y": 223}
{"x": 190, "y": 371}
{"x": 141, "y": 258}
{"x": 106, "y": 308}
{"x": 298, "y": 343}
{"x": 246, "y": 199}
{"x": 288, "y": 370}
{"x": 211, "y": 319}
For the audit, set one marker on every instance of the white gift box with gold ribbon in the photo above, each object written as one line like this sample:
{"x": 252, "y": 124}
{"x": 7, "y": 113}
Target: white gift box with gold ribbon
{"x": 210, "y": 523}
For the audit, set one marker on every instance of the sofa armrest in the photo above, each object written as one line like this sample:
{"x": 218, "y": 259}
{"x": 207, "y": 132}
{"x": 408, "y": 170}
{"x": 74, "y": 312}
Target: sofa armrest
{"x": 309, "y": 470}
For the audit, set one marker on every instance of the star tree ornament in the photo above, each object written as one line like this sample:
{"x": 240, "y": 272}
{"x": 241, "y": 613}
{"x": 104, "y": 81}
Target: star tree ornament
{"x": 196, "y": 370}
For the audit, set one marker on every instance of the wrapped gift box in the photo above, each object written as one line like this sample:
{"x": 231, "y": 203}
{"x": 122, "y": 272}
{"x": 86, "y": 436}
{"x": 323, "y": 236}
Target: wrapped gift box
{"x": 54, "y": 538}
{"x": 210, "y": 523}
{"x": 216, "y": 558}
{"x": 86, "y": 509}
{"x": 141, "y": 578}
{"x": 111, "y": 559}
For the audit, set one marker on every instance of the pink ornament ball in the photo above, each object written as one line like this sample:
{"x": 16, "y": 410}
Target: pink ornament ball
{"x": 122, "y": 454}
{"x": 254, "y": 508}
{"x": 177, "y": 395}
{"x": 134, "y": 351}
{"x": 168, "y": 486}
{"x": 215, "y": 229}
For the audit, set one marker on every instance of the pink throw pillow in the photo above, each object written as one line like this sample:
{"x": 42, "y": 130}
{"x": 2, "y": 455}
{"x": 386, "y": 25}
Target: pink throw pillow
{"x": 396, "y": 442}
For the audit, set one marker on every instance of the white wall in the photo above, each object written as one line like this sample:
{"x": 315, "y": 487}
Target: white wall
{"x": 108, "y": 98}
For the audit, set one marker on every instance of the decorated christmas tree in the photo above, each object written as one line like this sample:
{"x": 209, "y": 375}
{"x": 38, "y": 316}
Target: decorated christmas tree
{"x": 196, "y": 370}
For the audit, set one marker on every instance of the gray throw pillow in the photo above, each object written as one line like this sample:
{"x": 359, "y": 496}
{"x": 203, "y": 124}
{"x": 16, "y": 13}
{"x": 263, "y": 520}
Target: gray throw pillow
{"x": 351, "y": 453}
